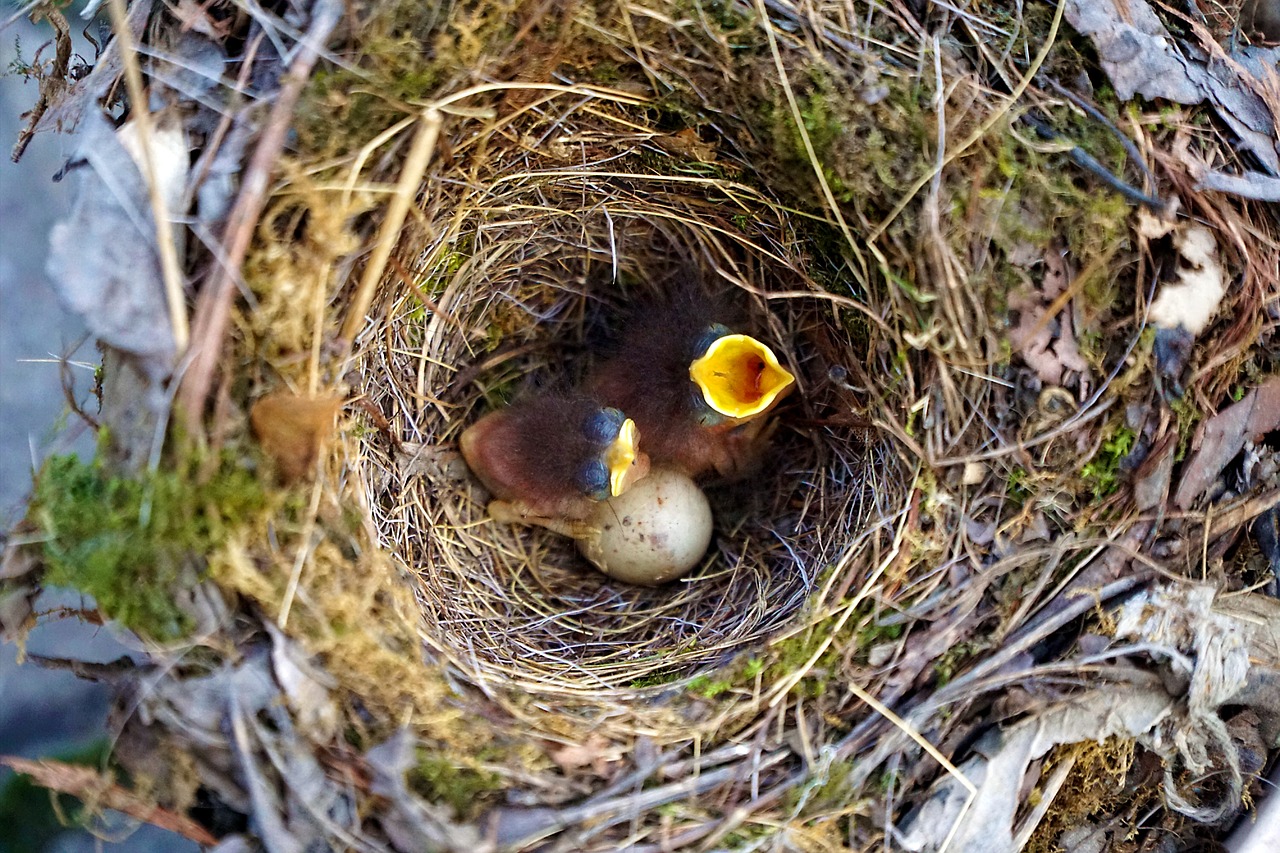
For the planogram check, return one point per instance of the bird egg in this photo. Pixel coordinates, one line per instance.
(654, 532)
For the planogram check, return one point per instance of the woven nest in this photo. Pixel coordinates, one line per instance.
(527, 252)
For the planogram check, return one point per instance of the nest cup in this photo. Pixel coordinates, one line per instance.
(521, 262)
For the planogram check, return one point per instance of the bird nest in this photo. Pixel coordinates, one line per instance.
(535, 237)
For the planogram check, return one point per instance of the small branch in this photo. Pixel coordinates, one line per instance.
(213, 308)
(1249, 185)
(1089, 163)
(96, 789)
(52, 84)
(88, 670)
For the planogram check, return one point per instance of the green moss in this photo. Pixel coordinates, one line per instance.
(441, 780)
(708, 687)
(410, 51)
(1102, 473)
(657, 679)
(868, 152)
(1188, 416)
(130, 543)
(1016, 484)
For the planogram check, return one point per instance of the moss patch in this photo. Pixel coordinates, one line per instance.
(462, 788)
(131, 543)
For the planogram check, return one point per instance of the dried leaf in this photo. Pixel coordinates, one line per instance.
(1045, 336)
(17, 561)
(103, 258)
(195, 18)
(596, 752)
(1140, 57)
(306, 687)
(1151, 480)
(1224, 436)
(17, 611)
(294, 429)
(1153, 226)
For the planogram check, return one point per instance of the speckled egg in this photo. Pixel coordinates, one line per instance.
(653, 533)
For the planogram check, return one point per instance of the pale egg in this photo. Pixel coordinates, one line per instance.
(654, 532)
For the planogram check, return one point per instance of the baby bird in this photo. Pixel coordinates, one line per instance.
(696, 389)
(549, 459)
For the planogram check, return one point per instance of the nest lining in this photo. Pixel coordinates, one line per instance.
(525, 258)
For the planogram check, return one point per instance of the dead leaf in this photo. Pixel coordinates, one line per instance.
(1141, 57)
(1223, 437)
(17, 611)
(596, 752)
(103, 258)
(82, 97)
(17, 557)
(688, 145)
(1151, 480)
(306, 687)
(1246, 184)
(1045, 336)
(196, 18)
(293, 429)
(1153, 226)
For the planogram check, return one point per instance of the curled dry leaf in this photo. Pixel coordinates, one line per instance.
(596, 752)
(293, 429)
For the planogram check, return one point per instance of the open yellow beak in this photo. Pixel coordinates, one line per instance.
(740, 377)
(626, 463)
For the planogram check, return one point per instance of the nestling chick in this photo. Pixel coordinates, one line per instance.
(551, 458)
(696, 390)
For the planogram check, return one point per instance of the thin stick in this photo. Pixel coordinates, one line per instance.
(96, 789)
(415, 166)
(304, 551)
(141, 114)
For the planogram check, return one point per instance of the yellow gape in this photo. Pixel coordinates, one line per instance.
(740, 377)
(621, 456)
